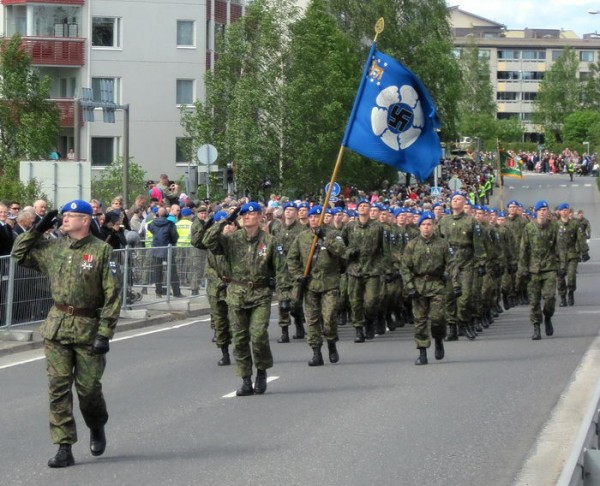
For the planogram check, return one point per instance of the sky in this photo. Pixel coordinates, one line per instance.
(541, 14)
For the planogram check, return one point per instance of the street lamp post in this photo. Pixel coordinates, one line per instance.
(588, 147)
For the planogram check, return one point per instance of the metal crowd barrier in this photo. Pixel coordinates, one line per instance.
(148, 275)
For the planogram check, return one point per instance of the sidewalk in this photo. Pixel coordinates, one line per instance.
(23, 338)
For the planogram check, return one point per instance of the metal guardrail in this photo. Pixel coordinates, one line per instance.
(147, 278)
(583, 464)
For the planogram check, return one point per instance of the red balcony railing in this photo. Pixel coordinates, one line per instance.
(61, 2)
(55, 51)
(67, 118)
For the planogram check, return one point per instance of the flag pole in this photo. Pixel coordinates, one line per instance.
(379, 26)
(499, 164)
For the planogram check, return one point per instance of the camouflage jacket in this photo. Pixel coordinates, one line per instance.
(367, 240)
(284, 236)
(81, 275)
(465, 237)
(516, 226)
(252, 262)
(326, 264)
(539, 248)
(571, 241)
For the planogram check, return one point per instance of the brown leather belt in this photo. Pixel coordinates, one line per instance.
(247, 283)
(76, 311)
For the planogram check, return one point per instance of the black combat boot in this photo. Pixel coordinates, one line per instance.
(285, 335)
(479, 323)
(571, 297)
(97, 441)
(489, 315)
(470, 331)
(260, 385)
(498, 308)
(563, 301)
(246, 388)
(225, 360)
(342, 318)
(334, 357)
(439, 348)
(537, 335)
(422, 359)
(317, 359)
(494, 313)
(390, 321)
(400, 318)
(380, 325)
(452, 333)
(369, 330)
(300, 333)
(548, 327)
(360, 335)
(63, 458)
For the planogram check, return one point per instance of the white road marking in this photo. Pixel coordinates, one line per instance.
(269, 380)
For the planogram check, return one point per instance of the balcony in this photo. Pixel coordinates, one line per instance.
(55, 51)
(61, 2)
(65, 107)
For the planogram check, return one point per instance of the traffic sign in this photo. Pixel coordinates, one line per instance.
(333, 199)
(336, 189)
(455, 184)
(436, 191)
(207, 154)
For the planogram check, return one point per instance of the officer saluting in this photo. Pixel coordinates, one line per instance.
(85, 287)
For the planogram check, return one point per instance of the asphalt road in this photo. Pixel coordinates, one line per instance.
(372, 419)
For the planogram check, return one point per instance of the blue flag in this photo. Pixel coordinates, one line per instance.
(394, 119)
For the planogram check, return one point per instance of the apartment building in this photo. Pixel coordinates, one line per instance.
(519, 59)
(156, 54)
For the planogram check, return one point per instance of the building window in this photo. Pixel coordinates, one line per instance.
(106, 32)
(509, 55)
(185, 91)
(99, 84)
(185, 33)
(182, 149)
(586, 56)
(507, 116)
(532, 76)
(457, 53)
(556, 55)
(527, 117)
(484, 54)
(584, 76)
(529, 96)
(508, 75)
(507, 96)
(103, 151)
(531, 55)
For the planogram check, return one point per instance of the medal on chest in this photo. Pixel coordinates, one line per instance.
(88, 262)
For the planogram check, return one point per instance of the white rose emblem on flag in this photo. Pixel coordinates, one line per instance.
(398, 117)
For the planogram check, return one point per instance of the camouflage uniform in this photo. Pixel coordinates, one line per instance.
(365, 245)
(322, 292)
(571, 245)
(516, 225)
(539, 257)
(252, 262)
(424, 263)
(83, 276)
(510, 251)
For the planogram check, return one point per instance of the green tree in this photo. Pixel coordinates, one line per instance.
(417, 33)
(591, 88)
(29, 123)
(577, 127)
(559, 95)
(109, 183)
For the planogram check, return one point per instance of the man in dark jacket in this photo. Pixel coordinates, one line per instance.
(164, 233)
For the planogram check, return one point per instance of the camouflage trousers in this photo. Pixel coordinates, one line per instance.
(251, 337)
(364, 294)
(285, 317)
(459, 310)
(541, 286)
(68, 363)
(568, 282)
(321, 308)
(429, 309)
(343, 303)
(219, 320)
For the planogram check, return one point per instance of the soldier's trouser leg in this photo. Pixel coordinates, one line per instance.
(329, 308)
(219, 318)
(561, 285)
(450, 306)
(534, 293)
(572, 275)
(477, 293)
(487, 293)
(312, 313)
(285, 318)
(433, 309)
(464, 312)
(548, 291)
(420, 309)
(67, 364)
(250, 326)
(372, 298)
(356, 291)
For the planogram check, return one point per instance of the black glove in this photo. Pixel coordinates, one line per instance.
(47, 221)
(233, 216)
(100, 345)
(353, 253)
(585, 257)
(285, 305)
(561, 273)
(525, 276)
(320, 232)
(481, 270)
(457, 291)
(413, 294)
(209, 222)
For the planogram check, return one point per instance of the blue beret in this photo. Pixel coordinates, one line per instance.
(329, 211)
(468, 203)
(477, 207)
(563, 206)
(315, 210)
(337, 210)
(353, 214)
(290, 205)
(186, 212)
(514, 201)
(220, 215)
(303, 204)
(154, 209)
(251, 207)
(363, 201)
(493, 210)
(424, 216)
(458, 193)
(446, 211)
(437, 204)
(78, 206)
(501, 214)
(540, 204)
(397, 211)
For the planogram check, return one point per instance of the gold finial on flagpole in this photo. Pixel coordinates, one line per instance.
(379, 26)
